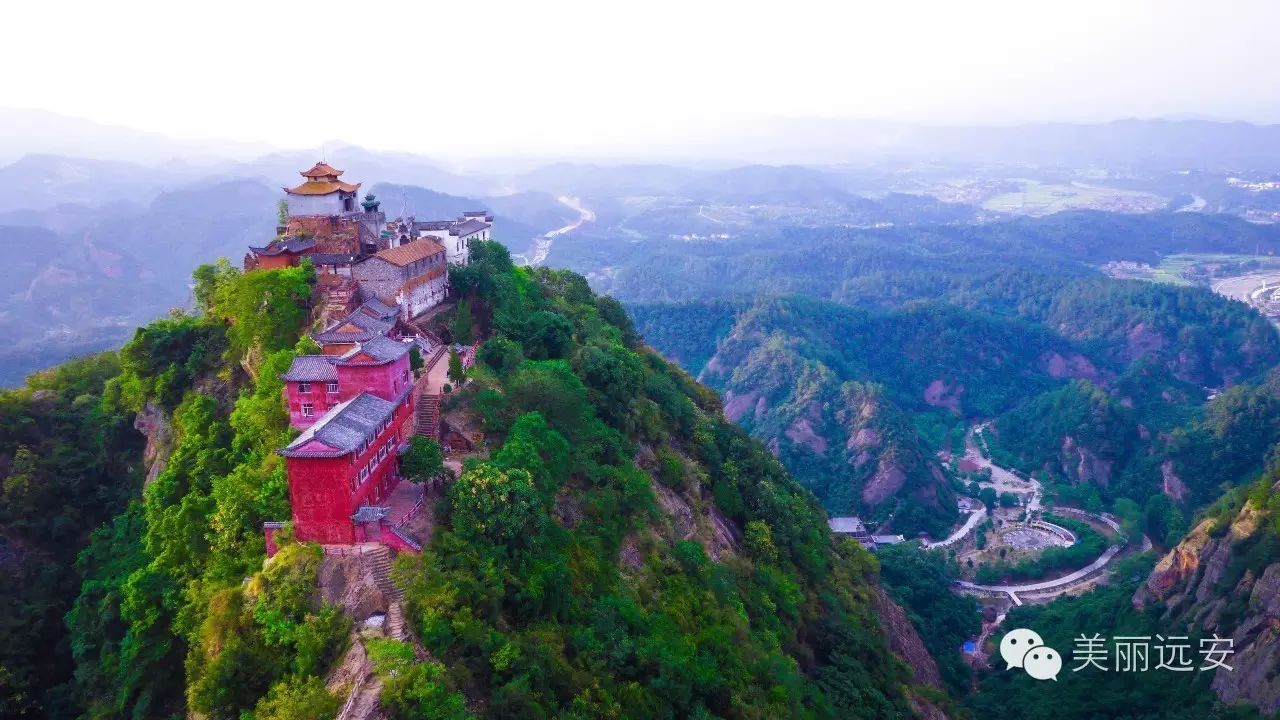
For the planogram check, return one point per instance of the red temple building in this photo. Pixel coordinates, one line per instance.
(323, 222)
(342, 468)
(314, 384)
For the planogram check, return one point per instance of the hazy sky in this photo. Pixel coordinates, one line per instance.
(474, 77)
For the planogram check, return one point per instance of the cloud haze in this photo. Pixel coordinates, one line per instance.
(482, 78)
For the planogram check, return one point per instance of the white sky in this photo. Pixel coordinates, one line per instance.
(539, 76)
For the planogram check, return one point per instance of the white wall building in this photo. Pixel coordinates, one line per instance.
(457, 235)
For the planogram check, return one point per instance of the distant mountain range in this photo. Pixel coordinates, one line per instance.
(1154, 144)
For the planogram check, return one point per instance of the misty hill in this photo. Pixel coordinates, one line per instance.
(608, 180)
(1153, 144)
(42, 181)
(24, 132)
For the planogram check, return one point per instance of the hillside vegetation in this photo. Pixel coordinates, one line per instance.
(620, 550)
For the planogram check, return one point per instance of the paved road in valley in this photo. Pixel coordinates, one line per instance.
(974, 518)
(1063, 581)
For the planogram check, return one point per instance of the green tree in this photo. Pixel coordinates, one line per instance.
(499, 506)
(457, 373)
(423, 461)
(463, 326)
(501, 355)
(546, 335)
(297, 698)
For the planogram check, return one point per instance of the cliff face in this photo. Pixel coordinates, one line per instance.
(847, 441)
(1224, 578)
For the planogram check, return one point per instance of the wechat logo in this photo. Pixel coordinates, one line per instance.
(1023, 648)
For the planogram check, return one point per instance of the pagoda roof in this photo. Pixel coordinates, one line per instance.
(321, 170)
(322, 187)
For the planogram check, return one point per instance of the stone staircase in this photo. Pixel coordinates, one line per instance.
(380, 567)
(428, 415)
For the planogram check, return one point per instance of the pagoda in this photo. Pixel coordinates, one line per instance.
(322, 193)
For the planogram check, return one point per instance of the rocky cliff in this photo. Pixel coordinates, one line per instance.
(1224, 578)
(847, 441)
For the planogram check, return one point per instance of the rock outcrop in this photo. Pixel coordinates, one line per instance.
(1217, 582)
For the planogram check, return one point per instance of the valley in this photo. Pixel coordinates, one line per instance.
(675, 376)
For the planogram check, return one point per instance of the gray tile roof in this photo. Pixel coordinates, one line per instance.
(293, 245)
(370, 327)
(382, 348)
(433, 225)
(379, 309)
(470, 226)
(333, 336)
(345, 427)
(313, 368)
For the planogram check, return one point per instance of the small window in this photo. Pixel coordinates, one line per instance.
(333, 387)
(308, 410)
(364, 474)
(304, 387)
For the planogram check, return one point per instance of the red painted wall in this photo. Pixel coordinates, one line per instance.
(320, 489)
(385, 381)
(275, 262)
(319, 396)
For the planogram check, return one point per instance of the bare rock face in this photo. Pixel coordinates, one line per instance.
(940, 394)
(153, 423)
(347, 581)
(904, 641)
(1142, 341)
(801, 432)
(887, 481)
(1171, 574)
(683, 524)
(864, 438)
(1189, 579)
(1082, 465)
(736, 405)
(1254, 678)
(1075, 366)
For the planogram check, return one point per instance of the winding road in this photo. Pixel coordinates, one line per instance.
(975, 517)
(1004, 480)
(1056, 584)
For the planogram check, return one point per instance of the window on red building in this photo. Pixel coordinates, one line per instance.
(304, 387)
(308, 410)
(333, 387)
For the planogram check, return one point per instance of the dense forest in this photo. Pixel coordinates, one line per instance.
(1096, 385)
(881, 267)
(621, 550)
